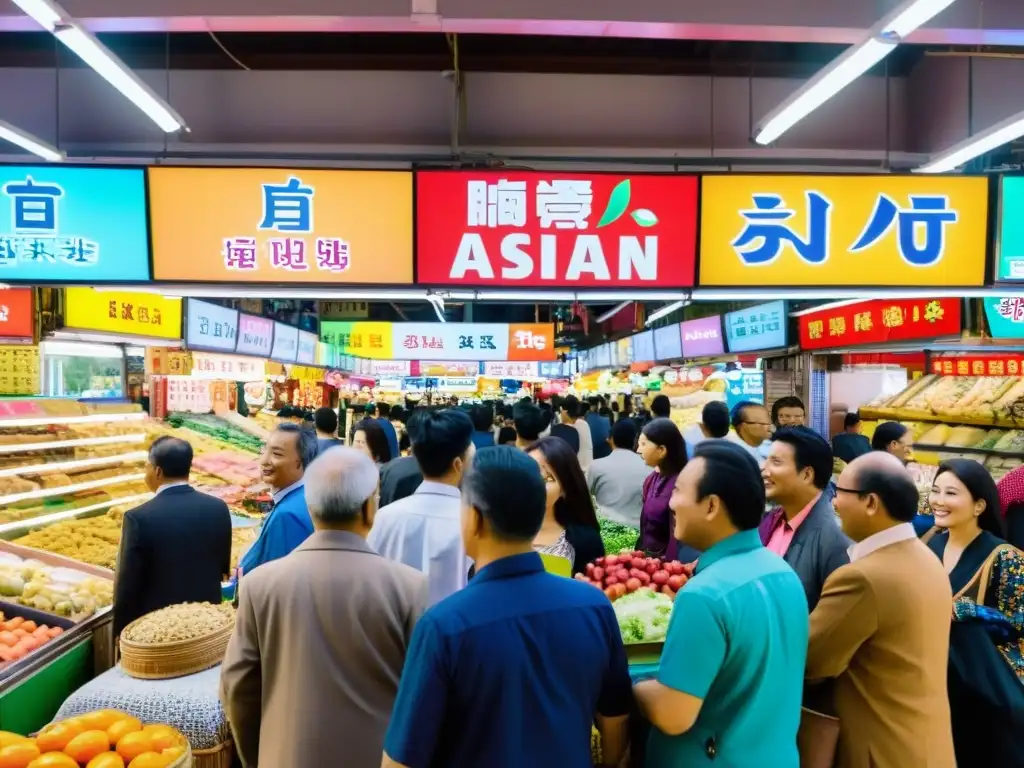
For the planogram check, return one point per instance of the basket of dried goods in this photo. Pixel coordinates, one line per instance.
(177, 640)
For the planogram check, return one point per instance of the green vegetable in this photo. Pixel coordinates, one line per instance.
(220, 430)
(643, 616)
(617, 537)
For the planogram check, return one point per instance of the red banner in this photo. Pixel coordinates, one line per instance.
(533, 229)
(881, 321)
(16, 317)
(974, 365)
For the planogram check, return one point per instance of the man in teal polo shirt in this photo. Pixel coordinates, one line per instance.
(729, 687)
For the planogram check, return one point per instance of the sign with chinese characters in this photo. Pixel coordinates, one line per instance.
(457, 384)
(255, 335)
(977, 365)
(19, 371)
(230, 367)
(389, 367)
(551, 370)
(757, 328)
(161, 361)
(361, 339)
(17, 319)
(210, 326)
(743, 387)
(286, 343)
(186, 394)
(878, 230)
(880, 321)
(262, 225)
(531, 342)
(307, 348)
(1005, 316)
(122, 312)
(668, 344)
(553, 229)
(344, 310)
(643, 347)
(1010, 243)
(73, 225)
(510, 370)
(444, 368)
(702, 337)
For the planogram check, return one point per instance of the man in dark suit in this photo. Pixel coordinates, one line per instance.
(175, 548)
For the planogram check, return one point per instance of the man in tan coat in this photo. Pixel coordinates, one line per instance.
(311, 671)
(881, 628)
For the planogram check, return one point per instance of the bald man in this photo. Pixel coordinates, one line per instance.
(882, 626)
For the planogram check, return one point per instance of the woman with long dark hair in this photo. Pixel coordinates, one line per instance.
(986, 649)
(662, 448)
(570, 527)
(369, 436)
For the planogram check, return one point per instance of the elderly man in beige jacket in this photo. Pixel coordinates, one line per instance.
(312, 668)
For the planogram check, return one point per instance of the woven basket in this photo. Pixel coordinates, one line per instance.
(186, 760)
(218, 757)
(158, 661)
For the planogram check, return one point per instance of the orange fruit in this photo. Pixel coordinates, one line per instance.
(7, 738)
(149, 760)
(173, 754)
(18, 755)
(163, 736)
(132, 745)
(54, 737)
(122, 727)
(85, 746)
(106, 760)
(53, 760)
(102, 719)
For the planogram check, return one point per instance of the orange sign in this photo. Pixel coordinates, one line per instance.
(268, 225)
(531, 341)
(16, 317)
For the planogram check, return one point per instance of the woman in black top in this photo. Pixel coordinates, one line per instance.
(570, 527)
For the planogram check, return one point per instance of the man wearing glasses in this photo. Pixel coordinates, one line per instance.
(752, 428)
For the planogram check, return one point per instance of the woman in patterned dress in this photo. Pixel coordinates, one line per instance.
(570, 527)
(986, 663)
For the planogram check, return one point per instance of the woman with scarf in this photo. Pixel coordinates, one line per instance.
(986, 649)
(1011, 503)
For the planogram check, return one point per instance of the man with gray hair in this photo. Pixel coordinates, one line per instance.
(290, 449)
(321, 635)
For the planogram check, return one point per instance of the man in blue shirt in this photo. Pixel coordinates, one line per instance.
(483, 423)
(384, 417)
(600, 428)
(730, 683)
(289, 450)
(511, 671)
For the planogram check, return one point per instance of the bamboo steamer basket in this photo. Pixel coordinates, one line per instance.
(220, 756)
(185, 761)
(160, 661)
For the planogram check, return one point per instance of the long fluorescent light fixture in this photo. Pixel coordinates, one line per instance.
(51, 17)
(613, 312)
(668, 309)
(1001, 133)
(30, 143)
(880, 41)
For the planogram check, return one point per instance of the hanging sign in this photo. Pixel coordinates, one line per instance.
(442, 341)
(230, 367)
(263, 225)
(702, 337)
(211, 326)
(73, 225)
(389, 367)
(122, 312)
(1005, 316)
(880, 321)
(1010, 245)
(511, 370)
(255, 335)
(757, 328)
(457, 384)
(443, 368)
(306, 354)
(878, 230)
(643, 347)
(19, 370)
(743, 387)
(554, 229)
(1007, 364)
(186, 394)
(369, 339)
(668, 343)
(286, 343)
(161, 361)
(17, 318)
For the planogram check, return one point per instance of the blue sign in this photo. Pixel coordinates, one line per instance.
(643, 347)
(668, 343)
(73, 225)
(1005, 316)
(743, 386)
(757, 328)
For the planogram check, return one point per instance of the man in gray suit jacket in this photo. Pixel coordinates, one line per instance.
(321, 635)
(803, 529)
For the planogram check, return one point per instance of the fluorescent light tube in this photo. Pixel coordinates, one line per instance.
(65, 490)
(58, 466)
(908, 18)
(81, 441)
(666, 310)
(112, 69)
(613, 312)
(47, 15)
(1001, 133)
(37, 522)
(30, 143)
(92, 418)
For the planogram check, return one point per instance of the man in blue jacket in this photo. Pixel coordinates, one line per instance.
(289, 450)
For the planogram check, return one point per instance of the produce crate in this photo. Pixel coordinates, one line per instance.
(643, 653)
(29, 704)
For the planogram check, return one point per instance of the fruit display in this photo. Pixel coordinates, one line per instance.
(19, 637)
(615, 536)
(61, 591)
(92, 540)
(104, 739)
(643, 616)
(241, 540)
(177, 623)
(628, 571)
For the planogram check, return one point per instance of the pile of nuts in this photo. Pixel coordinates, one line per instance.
(178, 623)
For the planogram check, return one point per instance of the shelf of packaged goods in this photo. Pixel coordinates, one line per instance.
(67, 514)
(63, 490)
(975, 451)
(58, 466)
(78, 442)
(869, 414)
(92, 418)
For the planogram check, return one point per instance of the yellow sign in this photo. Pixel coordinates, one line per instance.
(306, 373)
(900, 231)
(123, 312)
(161, 361)
(19, 370)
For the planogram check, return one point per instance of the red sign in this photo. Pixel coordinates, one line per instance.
(16, 318)
(530, 229)
(1001, 365)
(880, 321)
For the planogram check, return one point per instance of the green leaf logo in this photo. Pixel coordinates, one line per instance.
(617, 204)
(644, 217)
